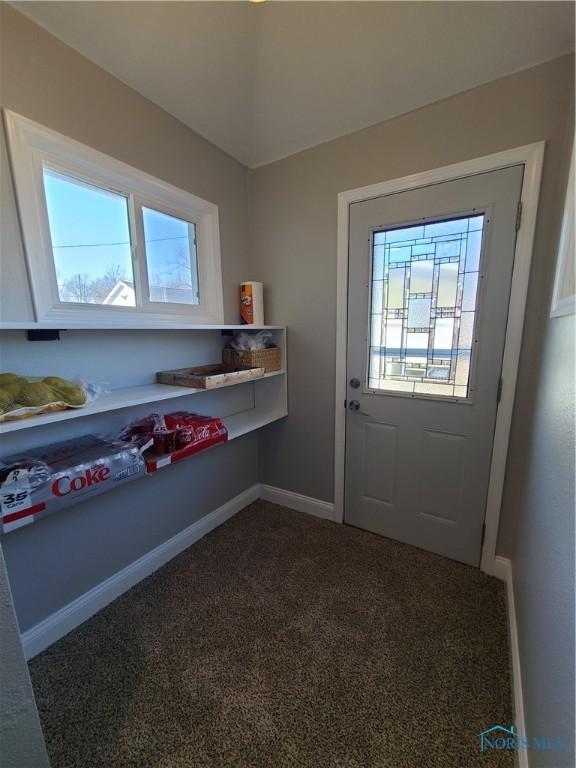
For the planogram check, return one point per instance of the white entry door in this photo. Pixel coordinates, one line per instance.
(430, 271)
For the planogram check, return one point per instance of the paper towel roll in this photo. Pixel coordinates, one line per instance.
(251, 303)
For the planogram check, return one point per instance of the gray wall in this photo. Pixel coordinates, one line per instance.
(540, 515)
(57, 559)
(21, 736)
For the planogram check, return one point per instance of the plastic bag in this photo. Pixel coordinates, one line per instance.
(141, 432)
(24, 396)
(245, 342)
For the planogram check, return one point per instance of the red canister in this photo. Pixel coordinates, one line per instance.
(164, 441)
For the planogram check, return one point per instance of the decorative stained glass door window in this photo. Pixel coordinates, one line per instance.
(424, 290)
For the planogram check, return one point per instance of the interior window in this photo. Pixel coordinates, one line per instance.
(424, 291)
(91, 243)
(170, 258)
(110, 244)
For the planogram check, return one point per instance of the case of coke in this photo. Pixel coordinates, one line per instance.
(37, 482)
(173, 437)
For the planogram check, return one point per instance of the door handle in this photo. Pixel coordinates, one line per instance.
(354, 405)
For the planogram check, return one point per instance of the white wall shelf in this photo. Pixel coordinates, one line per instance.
(117, 399)
(124, 359)
(29, 325)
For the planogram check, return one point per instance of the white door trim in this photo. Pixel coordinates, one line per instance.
(531, 156)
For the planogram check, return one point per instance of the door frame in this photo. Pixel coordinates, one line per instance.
(532, 157)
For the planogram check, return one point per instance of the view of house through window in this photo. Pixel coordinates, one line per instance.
(424, 289)
(92, 247)
(90, 232)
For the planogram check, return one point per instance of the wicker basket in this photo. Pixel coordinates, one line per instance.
(269, 359)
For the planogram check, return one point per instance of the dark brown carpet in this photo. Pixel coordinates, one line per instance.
(284, 641)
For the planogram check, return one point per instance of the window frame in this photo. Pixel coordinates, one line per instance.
(32, 147)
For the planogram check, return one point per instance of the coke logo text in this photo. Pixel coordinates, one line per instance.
(64, 485)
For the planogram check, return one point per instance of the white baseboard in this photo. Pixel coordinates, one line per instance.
(39, 637)
(63, 621)
(503, 570)
(297, 501)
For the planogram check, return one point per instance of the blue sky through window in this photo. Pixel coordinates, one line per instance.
(170, 257)
(89, 228)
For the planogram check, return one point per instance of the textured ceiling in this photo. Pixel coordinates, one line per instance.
(263, 81)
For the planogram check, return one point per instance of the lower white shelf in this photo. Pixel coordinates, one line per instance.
(237, 425)
(247, 421)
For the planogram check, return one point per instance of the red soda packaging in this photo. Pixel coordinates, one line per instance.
(175, 436)
(37, 482)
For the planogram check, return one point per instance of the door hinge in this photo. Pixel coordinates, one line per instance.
(345, 403)
(499, 393)
(519, 216)
(483, 534)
